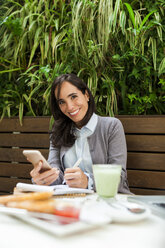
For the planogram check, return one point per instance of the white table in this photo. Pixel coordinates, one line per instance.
(148, 233)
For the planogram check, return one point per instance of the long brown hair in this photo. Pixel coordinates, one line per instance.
(63, 129)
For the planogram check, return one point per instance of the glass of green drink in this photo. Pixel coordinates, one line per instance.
(107, 179)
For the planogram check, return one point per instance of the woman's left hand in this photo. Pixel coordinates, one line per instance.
(75, 178)
(44, 178)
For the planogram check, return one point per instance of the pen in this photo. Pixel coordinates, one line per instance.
(77, 163)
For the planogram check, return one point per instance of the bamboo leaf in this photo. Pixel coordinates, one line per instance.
(25, 97)
(46, 45)
(131, 13)
(110, 22)
(33, 52)
(36, 43)
(6, 60)
(159, 31)
(161, 69)
(25, 21)
(16, 3)
(16, 93)
(33, 91)
(32, 26)
(29, 69)
(122, 21)
(3, 113)
(16, 52)
(23, 43)
(21, 107)
(92, 81)
(56, 40)
(154, 52)
(56, 23)
(146, 18)
(11, 70)
(42, 52)
(115, 13)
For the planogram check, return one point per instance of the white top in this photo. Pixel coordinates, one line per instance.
(80, 149)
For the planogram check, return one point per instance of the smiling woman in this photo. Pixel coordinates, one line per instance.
(79, 133)
(82, 98)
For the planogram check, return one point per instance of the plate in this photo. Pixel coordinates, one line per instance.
(60, 230)
(56, 225)
(119, 211)
(155, 202)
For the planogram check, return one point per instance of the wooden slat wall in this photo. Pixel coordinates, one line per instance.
(141, 191)
(143, 124)
(15, 170)
(146, 161)
(145, 136)
(8, 184)
(30, 124)
(14, 138)
(24, 140)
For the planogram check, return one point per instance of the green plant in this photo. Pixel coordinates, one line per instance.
(136, 61)
(116, 47)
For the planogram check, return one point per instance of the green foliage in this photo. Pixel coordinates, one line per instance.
(116, 47)
(13, 25)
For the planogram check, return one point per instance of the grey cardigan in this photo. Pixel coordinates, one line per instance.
(107, 146)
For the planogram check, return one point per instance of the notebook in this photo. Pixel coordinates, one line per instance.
(57, 189)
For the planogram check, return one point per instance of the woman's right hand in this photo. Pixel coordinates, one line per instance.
(46, 177)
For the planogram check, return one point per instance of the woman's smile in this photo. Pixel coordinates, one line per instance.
(74, 113)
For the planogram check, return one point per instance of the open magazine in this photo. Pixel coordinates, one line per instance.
(57, 189)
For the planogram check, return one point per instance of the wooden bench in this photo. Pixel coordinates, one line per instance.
(145, 137)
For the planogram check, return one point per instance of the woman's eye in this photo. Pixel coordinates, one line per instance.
(73, 97)
(61, 102)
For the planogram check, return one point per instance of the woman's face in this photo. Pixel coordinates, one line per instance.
(72, 102)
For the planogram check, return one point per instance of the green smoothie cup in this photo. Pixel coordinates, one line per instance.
(107, 179)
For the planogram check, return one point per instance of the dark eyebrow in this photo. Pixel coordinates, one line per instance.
(72, 94)
(67, 96)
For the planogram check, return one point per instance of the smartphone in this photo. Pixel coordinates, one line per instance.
(34, 156)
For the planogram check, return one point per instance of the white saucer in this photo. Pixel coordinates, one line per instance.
(119, 211)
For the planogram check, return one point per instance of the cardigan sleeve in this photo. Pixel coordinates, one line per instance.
(117, 152)
(108, 146)
(54, 161)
